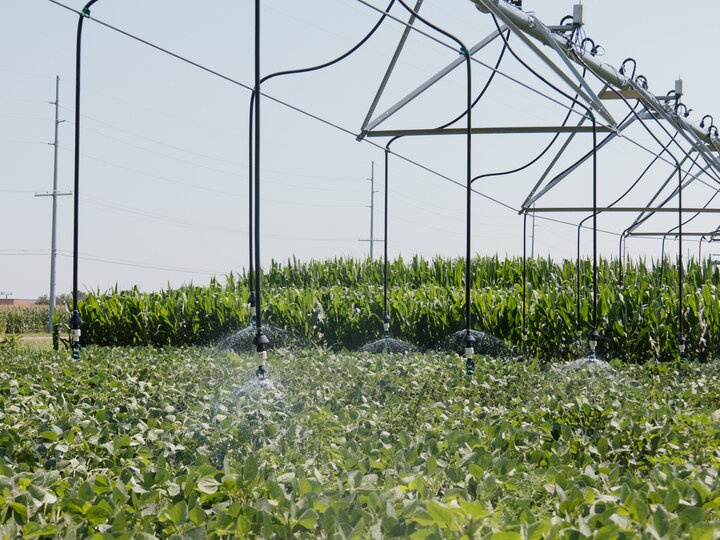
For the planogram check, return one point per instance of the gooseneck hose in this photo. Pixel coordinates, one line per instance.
(251, 275)
(75, 319)
(681, 336)
(386, 315)
(261, 341)
(468, 340)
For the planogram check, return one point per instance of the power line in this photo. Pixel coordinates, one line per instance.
(195, 164)
(322, 120)
(121, 262)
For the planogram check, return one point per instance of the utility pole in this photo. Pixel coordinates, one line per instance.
(54, 194)
(372, 239)
(372, 207)
(532, 244)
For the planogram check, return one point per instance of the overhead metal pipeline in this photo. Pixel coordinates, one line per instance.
(530, 25)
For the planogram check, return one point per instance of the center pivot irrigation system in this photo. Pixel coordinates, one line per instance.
(571, 57)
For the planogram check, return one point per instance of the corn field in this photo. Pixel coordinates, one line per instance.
(339, 304)
(26, 320)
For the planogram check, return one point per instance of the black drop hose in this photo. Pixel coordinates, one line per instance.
(468, 340)
(484, 89)
(253, 166)
(540, 155)
(386, 316)
(75, 319)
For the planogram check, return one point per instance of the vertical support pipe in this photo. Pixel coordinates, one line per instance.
(75, 319)
(260, 341)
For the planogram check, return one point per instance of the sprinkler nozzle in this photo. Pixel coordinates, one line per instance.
(251, 300)
(594, 336)
(260, 357)
(386, 324)
(75, 322)
(681, 344)
(261, 342)
(468, 341)
(525, 335)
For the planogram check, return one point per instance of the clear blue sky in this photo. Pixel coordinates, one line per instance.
(164, 145)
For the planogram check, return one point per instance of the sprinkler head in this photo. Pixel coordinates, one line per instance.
(594, 336)
(75, 323)
(681, 344)
(260, 372)
(251, 300)
(386, 324)
(468, 341)
(525, 335)
(261, 342)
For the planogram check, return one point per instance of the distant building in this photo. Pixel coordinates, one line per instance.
(17, 302)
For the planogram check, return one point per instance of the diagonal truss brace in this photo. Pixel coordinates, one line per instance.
(563, 55)
(390, 69)
(560, 177)
(370, 125)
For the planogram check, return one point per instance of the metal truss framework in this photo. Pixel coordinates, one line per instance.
(657, 113)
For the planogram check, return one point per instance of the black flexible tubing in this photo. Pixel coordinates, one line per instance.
(468, 244)
(540, 155)
(681, 337)
(577, 270)
(644, 124)
(624, 234)
(260, 347)
(386, 317)
(327, 122)
(642, 175)
(484, 89)
(76, 320)
(254, 172)
(251, 277)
